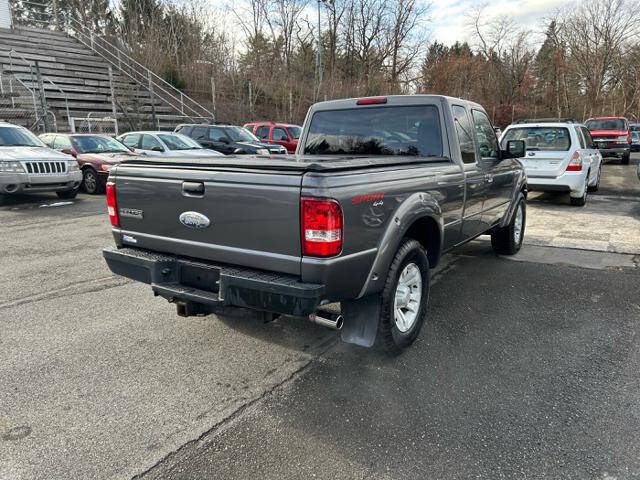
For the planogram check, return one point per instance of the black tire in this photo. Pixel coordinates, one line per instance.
(596, 187)
(581, 201)
(90, 181)
(390, 336)
(626, 158)
(67, 194)
(506, 240)
(3, 199)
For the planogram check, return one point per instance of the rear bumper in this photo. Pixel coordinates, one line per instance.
(571, 182)
(182, 280)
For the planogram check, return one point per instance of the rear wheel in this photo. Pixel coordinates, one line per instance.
(581, 201)
(596, 187)
(404, 298)
(507, 240)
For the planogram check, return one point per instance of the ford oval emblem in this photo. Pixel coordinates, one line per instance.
(194, 220)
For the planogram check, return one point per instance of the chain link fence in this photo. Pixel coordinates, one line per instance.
(104, 125)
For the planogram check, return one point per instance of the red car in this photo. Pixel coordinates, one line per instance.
(612, 136)
(96, 154)
(283, 134)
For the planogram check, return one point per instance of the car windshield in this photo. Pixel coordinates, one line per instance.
(635, 135)
(411, 130)
(239, 134)
(175, 141)
(539, 138)
(610, 124)
(294, 132)
(97, 144)
(18, 137)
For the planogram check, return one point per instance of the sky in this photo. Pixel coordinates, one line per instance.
(448, 17)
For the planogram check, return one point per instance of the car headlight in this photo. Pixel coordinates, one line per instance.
(11, 167)
(622, 139)
(262, 151)
(73, 165)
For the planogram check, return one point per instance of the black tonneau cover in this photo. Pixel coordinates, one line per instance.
(297, 163)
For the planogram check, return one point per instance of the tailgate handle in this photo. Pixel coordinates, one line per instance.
(193, 189)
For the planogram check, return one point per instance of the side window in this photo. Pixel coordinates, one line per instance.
(463, 130)
(149, 143)
(262, 132)
(587, 137)
(485, 135)
(61, 142)
(580, 137)
(131, 141)
(199, 133)
(217, 135)
(280, 135)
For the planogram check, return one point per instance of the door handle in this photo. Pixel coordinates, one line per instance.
(193, 189)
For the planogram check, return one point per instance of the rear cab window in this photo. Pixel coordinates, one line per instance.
(413, 130)
(463, 131)
(540, 138)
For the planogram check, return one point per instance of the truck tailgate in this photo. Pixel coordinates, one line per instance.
(252, 214)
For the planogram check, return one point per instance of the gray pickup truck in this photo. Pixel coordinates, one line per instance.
(379, 190)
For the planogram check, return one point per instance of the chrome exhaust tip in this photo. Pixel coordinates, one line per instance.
(334, 323)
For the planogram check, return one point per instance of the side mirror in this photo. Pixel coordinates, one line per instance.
(157, 149)
(515, 149)
(70, 151)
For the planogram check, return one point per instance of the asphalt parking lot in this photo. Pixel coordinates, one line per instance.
(527, 367)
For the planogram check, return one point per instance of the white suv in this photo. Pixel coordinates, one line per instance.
(28, 166)
(561, 157)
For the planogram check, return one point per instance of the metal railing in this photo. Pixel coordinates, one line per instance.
(37, 79)
(137, 72)
(11, 87)
(48, 17)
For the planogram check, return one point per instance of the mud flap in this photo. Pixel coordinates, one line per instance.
(361, 319)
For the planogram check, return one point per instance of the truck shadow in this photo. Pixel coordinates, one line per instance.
(289, 332)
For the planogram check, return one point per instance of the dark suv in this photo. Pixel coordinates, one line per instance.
(228, 139)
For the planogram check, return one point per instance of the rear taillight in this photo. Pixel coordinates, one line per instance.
(321, 227)
(112, 206)
(575, 165)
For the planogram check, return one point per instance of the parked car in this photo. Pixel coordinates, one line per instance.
(96, 154)
(360, 218)
(165, 144)
(634, 127)
(283, 134)
(612, 136)
(228, 139)
(635, 141)
(561, 157)
(27, 165)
